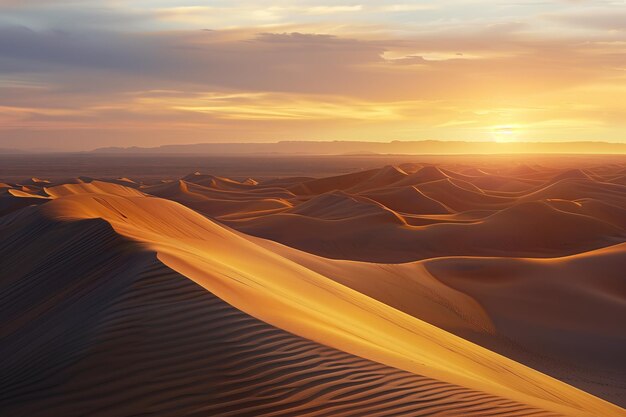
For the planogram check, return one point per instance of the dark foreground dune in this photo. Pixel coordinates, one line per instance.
(453, 289)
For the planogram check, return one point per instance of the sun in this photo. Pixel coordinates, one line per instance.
(504, 133)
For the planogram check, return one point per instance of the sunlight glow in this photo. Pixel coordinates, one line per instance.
(505, 133)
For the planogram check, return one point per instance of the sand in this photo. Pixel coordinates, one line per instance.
(402, 290)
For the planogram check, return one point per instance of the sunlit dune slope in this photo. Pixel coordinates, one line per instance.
(573, 331)
(300, 301)
(94, 187)
(407, 287)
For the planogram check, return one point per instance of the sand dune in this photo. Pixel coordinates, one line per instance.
(94, 187)
(16, 199)
(426, 174)
(543, 221)
(505, 185)
(122, 298)
(588, 351)
(182, 190)
(572, 174)
(150, 340)
(462, 196)
(453, 293)
(219, 183)
(407, 200)
(591, 207)
(384, 177)
(504, 285)
(313, 306)
(217, 202)
(618, 180)
(527, 229)
(338, 205)
(341, 182)
(522, 170)
(577, 189)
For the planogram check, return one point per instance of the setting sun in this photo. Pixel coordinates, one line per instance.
(507, 133)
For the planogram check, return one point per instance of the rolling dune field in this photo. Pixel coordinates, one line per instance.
(449, 287)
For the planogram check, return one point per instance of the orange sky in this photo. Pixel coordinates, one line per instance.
(123, 73)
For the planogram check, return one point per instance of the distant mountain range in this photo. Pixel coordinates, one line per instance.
(394, 147)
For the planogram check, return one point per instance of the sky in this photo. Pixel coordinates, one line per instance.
(78, 75)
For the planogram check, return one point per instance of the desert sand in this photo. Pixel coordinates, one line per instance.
(449, 287)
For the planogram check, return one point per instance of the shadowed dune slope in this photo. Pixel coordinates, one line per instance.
(338, 205)
(340, 182)
(407, 200)
(572, 189)
(15, 199)
(589, 303)
(353, 182)
(462, 196)
(575, 328)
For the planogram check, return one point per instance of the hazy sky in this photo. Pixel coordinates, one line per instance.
(84, 74)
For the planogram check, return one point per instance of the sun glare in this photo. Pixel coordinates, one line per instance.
(506, 133)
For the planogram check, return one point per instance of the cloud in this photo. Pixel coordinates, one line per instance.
(71, 15)
(269, 61)
(304, 62)
(102, 67)
(594, 19)
(319, 10)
